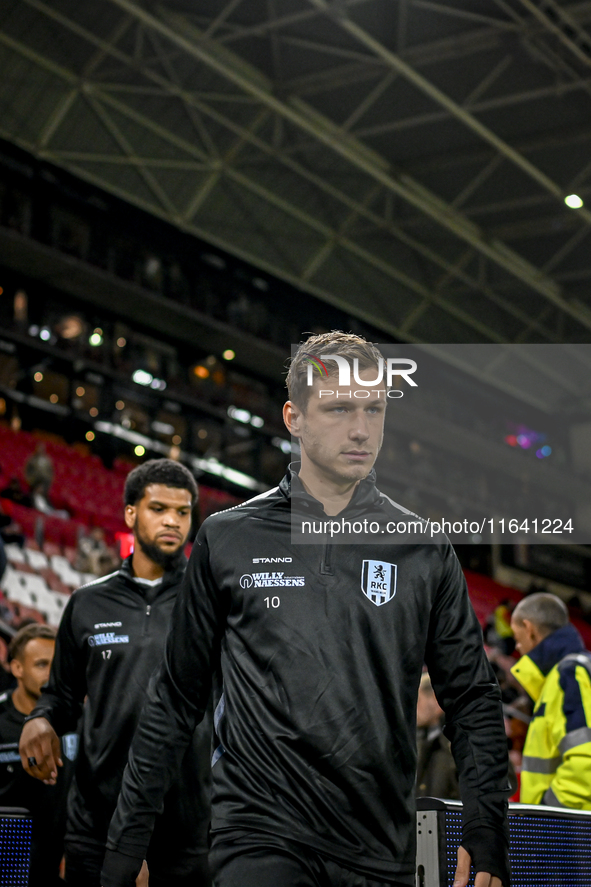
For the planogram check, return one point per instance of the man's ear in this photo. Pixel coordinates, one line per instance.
(130, 512)
(16, 668)
(533, 631)
(292, 416)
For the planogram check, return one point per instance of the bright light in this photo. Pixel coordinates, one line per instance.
(229, 354)
(80, 391)
(53, 398)
(177, 439)
(70, 327)
(120, 405)
(281, 444)
(93, 412)
(239, 415)
(141, 377)
(96, 338)
(202, 433)
(139, 450)
(45, 334)
(163, 428)
(573, 201)
(33, 330)
(38, 377)
(121, 342)
(257, 422)
(89, 435)
(201, 372)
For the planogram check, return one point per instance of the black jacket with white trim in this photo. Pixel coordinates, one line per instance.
(317, 728)
(110, 640)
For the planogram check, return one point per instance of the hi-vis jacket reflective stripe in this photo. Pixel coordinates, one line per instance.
(556, 767)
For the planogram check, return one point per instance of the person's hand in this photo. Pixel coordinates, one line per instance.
(39, 749)
(462, 876)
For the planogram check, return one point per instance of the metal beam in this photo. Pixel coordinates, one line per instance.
(179, 31)
(434, 93)
(331, 136)
(563, 26)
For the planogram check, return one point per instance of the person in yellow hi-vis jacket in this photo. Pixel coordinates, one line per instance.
(555, 670)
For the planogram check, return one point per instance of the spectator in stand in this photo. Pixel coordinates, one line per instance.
(30, 654)
(3, 559)
(39, 471)
(436, 769)
(555, 670)
(94, 555)
(502, 626)
(11, 532)
(42, 503)
(15, 492)
(110, 640)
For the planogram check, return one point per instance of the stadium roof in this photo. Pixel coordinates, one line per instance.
(407, 161)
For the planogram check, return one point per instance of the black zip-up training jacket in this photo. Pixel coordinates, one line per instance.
(110, 640)
(320, 674)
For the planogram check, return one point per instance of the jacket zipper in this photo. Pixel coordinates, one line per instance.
(326, 567)
(148, 609)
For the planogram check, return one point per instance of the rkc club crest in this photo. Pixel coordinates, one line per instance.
(378, 581)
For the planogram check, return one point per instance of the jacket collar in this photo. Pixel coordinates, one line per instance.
(364, 496)
(171, 577)
(532, 669)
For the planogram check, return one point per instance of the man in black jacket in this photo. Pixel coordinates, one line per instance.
(321, 649)
(30, 653)
(110, 640)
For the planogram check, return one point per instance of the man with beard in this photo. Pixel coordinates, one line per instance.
(109, 642)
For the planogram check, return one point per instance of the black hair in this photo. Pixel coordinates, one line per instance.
(158, 471)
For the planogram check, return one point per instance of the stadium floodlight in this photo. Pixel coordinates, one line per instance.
(239, 414)
(573, 201)
(141, 377)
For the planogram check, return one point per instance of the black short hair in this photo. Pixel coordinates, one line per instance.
(29, 633)
(158, 471)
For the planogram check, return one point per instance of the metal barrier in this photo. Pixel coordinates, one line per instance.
(549, 846)
(15, 846)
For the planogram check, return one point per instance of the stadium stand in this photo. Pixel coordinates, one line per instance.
(40, 576)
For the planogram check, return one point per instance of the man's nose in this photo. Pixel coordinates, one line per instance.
(359, 428)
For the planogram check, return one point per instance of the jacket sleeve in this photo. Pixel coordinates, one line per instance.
(570, 729)
(177, 698)
(63, 696)
(468, 692)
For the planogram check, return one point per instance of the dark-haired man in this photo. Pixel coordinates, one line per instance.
(321, 649)
(30, 653)
(555, 670)
(110, 640)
